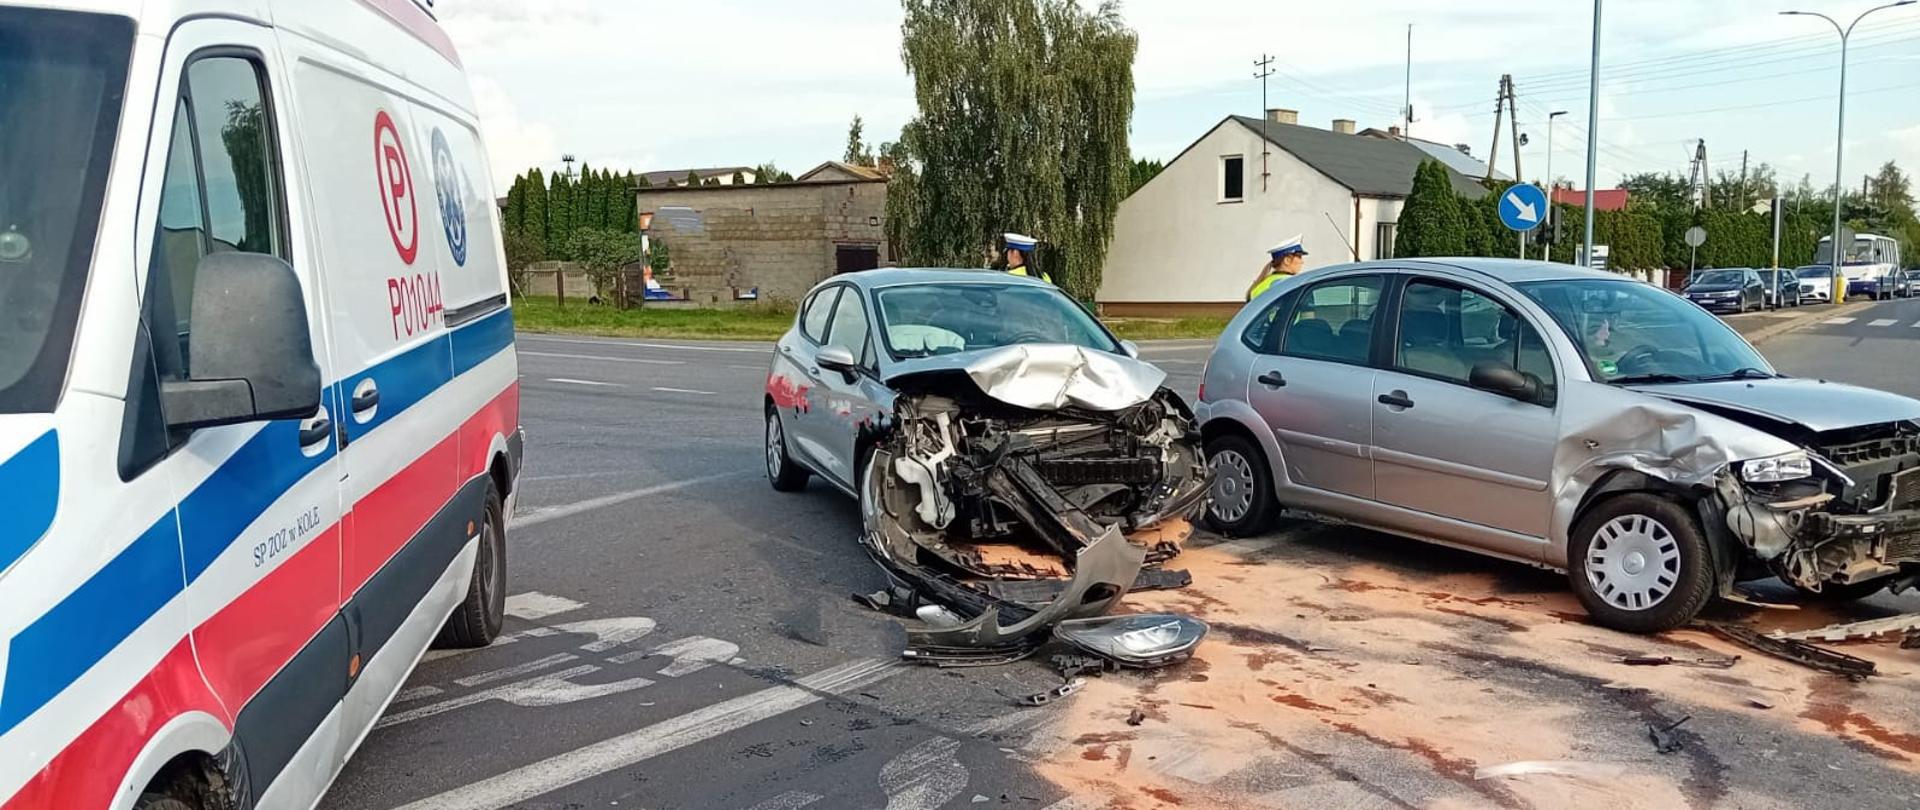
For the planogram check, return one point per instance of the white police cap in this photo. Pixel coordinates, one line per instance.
(1020, 241)
(1288, 248)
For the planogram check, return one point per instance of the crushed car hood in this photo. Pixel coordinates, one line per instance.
(1817, 406)
(1047, 377)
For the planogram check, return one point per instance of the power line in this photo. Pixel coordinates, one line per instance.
(1719, 66)
(1817, 42)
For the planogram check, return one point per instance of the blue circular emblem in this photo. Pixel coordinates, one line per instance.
(453, 206)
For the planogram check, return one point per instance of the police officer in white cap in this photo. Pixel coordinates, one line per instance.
(1285, 261)
(1020, 257)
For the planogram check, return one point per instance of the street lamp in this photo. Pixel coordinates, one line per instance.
(1548, 254)
(1593, 132)
(1840, 139)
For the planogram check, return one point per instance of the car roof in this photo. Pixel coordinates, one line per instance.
(895, 276)
(1510, 271)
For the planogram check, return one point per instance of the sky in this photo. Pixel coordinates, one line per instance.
(649, 85)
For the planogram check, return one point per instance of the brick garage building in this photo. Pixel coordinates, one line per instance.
(781, 238)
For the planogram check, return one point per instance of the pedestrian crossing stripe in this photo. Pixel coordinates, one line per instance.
(1839, 321)
(1885, 322)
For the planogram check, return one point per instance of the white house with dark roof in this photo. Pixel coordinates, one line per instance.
(1194, 237)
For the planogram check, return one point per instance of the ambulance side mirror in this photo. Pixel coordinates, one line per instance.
(249, 351)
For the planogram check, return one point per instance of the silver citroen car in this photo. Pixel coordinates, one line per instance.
(1564, 418)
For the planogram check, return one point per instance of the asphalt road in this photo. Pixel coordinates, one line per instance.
(681, 636)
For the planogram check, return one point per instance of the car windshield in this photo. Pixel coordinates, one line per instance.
(920, 320)
(1821, 271)
(1719, 278)
(1630, 332)
(62, 75)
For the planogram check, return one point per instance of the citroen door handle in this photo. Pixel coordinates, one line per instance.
(1396, 399)
(1272, 379)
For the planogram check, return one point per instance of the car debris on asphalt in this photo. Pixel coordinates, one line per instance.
(1799, 652)
(1060, 692)
(1018, 495)
(1664, 740)
(1855, 631)
(1715, 662)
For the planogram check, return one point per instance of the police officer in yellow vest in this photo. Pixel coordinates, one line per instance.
(1020, 257)
(1285, 261)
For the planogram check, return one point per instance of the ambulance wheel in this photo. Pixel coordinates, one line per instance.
(476, 622)
(155, 801)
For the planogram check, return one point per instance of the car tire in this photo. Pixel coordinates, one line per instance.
(477, 621)
(1242, 502)
(785, 475)
(1639, 563)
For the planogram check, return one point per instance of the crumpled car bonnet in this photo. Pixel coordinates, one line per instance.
(1048, 377)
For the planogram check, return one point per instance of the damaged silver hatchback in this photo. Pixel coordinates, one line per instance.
(1017, 466)
(1565, 418)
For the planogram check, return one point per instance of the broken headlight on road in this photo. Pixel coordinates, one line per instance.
(1138, 640)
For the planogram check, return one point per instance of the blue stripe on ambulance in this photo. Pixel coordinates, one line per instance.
(31, 480)
(72, 637)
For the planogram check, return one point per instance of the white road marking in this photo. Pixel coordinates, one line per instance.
(594, 383)
(924, 777)
(790, 800)
(750, 368)
(647, 360)
(665, 390)
(1916, 324)
(1885, 322)
(549, 690)
(534, 605)
(530, 781)
(517, 670)
(690, 655)
(762, 349)
(1838, 321)
(538, 517)
(416, 693)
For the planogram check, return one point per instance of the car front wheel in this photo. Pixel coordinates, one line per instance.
(1639, 563)
(1243, 503)
(785, 475)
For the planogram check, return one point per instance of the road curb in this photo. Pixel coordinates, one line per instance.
(1774, 330)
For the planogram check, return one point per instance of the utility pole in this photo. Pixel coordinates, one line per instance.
(1265, 69)
(1499, 109)
(568, 159)
(1519, 140)
(1406, 132)
(1699, 183)
(1593, 131)
(1743, 180)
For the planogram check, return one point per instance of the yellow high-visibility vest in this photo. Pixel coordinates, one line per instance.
(1267, 283)
(1023, 272)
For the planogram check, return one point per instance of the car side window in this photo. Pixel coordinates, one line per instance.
(1260, 335)
(1446, 330)
(813, 324)
(220, 194)
(1334, 321)
(849, 327)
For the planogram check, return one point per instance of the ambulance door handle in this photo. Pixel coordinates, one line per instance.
(315, 432)
(366, 400)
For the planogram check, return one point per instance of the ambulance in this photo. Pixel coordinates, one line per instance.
(259, 410)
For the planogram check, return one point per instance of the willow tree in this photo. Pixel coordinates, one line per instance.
(1022, 126)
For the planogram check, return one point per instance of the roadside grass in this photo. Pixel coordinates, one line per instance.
(544, 314)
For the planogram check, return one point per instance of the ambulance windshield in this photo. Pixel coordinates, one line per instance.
(62, 77)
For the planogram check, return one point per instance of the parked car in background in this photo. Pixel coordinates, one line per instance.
(1733, 290)
(1782, 287)
(1559, 417)
(1816, 282)
(1913, 282)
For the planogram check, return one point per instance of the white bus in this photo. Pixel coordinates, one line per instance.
(1871, 259)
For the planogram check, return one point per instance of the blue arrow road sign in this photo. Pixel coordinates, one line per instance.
(1523, 207)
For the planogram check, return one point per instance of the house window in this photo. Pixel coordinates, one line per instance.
(1233, 178)
(1383, 235)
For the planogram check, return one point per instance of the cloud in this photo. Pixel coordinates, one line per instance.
(513, 143)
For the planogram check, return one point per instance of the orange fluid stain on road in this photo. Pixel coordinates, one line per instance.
(1441, 675)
